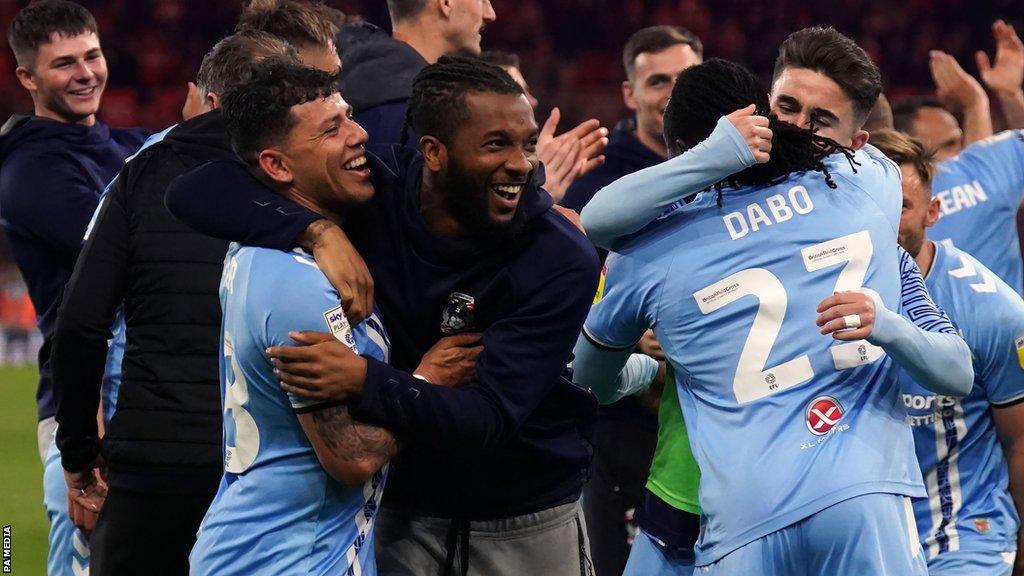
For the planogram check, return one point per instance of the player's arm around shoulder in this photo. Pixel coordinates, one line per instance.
(298, 298)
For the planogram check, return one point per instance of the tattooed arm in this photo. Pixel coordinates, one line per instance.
(350, 451)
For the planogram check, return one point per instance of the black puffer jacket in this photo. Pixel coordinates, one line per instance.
(165, 436)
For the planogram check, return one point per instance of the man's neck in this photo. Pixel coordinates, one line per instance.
(43, 112)
(656, 145)
(925, 257)
(433, 210)
(336, 216)
(426, 42)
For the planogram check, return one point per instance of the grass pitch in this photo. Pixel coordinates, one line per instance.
(21, 473)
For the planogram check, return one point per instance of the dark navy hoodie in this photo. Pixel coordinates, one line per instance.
(376, 79)
(51, 177)
(516, 439)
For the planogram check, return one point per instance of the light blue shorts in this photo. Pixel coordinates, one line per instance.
(873, 534)
(648, 557)
(69, 549)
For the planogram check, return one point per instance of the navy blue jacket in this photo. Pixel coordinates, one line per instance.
(51, 178)
(516, 439)
(376, 80)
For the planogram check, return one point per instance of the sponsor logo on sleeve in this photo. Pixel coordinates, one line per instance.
(1018, 343)
(339, 326)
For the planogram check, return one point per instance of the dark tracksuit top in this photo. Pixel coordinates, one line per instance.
(376, 80)
(516, 439)
(51, 178)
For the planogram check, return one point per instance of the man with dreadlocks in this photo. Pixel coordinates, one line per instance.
(815, 220)
(460, 239)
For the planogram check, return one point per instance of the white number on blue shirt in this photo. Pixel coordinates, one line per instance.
(240, 451)
(753, 380)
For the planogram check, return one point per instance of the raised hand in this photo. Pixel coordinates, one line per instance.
(1007, 74)
(569, 155)
(755, 132)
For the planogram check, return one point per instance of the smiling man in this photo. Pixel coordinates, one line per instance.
(53, 166)
(459, 239)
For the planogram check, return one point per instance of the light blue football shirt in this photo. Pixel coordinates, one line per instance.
(968, 505)
(980, 191)
(277, 511)
(783, 421)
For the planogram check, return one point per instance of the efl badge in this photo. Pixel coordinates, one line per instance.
(982, 525)
(823, 414)
(1018, 343)
(458, 314)
(340, 327)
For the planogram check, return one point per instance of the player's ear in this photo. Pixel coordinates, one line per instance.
(26, 78)
(444, 7)
(859, 139)
(273, 164)
(934, 211)
(627, 95)
(435, 153)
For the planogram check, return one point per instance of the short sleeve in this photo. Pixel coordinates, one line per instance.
(999, 350)
(1001, 159)
(291, 294)
(626, 302)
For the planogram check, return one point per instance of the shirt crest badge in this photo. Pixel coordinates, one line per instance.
(459, 314)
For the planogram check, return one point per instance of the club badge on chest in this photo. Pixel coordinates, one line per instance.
(458, 314)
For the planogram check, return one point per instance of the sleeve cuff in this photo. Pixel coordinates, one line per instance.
(76, 455)
(369, 407)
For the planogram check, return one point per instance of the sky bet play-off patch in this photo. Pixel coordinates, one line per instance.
(339, 326)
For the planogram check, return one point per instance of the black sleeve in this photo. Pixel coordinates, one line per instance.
(524, 355)
(87, 312)
(222, 199)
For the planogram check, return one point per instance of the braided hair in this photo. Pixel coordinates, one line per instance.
(706, 92)
(438, 101)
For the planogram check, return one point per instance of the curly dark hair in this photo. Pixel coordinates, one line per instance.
(259, 111)
(438, 101)
(706, 92)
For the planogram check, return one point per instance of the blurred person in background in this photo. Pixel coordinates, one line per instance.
(53, 166)
(970, 448)
(565, 157)
(652, 58)
(378, 70)
(164, 449)
(880, 117)
(308, 26)
(979, 187)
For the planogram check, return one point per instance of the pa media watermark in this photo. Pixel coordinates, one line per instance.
(7, 549)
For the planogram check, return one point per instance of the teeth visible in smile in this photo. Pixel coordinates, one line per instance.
(83, 91)
(508, 192)
(357, 163)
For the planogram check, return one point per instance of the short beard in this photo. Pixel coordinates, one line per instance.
(468, 201)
